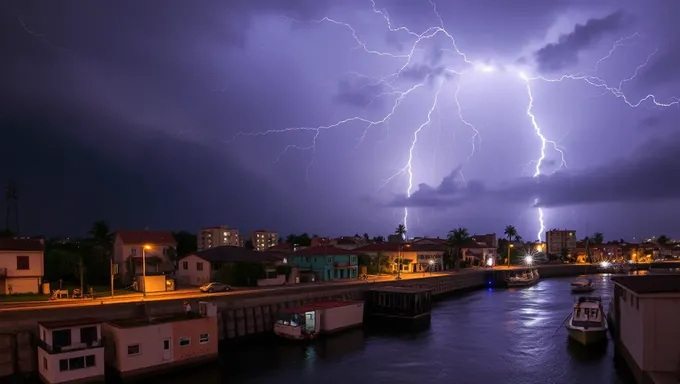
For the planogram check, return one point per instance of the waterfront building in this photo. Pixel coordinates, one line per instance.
(217, 236)
(70, 351)
(558, 239)
(327, 262)
(646, 313)
(145, 345)
(21, 265)
(132, 249)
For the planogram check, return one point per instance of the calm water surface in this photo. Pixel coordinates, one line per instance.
(489, 336)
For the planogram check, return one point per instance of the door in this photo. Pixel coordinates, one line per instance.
(167, 349)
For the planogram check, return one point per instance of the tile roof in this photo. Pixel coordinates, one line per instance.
(650, 283)
(144, 236)
(227, 253)
(12, 244)
(325, 250)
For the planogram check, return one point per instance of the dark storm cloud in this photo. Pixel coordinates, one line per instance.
(648, 175)
(564, 53)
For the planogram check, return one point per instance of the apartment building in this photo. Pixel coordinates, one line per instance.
(558, 239)
(218, 236)
(263, 239)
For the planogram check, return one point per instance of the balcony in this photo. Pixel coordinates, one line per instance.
(70, 348)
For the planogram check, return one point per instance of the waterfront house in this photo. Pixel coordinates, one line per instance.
(646, 313)
(21, 265)
(155, 248)
(423, 255)
(327, 262)
(200, 267)
(70, 351)
(147, 345)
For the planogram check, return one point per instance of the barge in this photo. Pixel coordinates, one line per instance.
(400, 306)
(308, 321)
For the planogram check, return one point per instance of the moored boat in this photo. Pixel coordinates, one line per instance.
(525, 279)
(308, 321)
(582, 286)
(587, 324)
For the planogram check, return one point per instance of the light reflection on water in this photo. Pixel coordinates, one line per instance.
(489, 336)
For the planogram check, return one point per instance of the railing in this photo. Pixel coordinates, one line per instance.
(70, 348)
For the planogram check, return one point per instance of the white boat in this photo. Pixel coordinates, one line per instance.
(307, 321)
(587, 324)
(582, 286)
(524, 279)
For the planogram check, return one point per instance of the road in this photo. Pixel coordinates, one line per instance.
(193, 293)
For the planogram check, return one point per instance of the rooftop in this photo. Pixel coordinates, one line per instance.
(12, 244)
(227, 253)
(402, 289)
(320, 305)
(145, 321)
(325, 250)
(56, 324)
(144, 236)
(646, 284)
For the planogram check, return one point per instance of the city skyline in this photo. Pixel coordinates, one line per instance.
(212, 120)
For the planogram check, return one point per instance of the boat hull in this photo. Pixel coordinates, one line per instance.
(587, 336)
(522, 283)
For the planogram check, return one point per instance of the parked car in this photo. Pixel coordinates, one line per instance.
(215, 287)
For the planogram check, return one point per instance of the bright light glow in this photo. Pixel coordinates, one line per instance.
(529, 259)
(605, 264)
(431, 262)
(484, 68)
(489, 262)
(147, 247)
(539, 247)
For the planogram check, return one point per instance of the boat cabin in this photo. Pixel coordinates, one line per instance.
(307, 321)
(70, 351)
(588, 313)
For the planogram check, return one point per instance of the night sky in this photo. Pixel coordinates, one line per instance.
(301, 115)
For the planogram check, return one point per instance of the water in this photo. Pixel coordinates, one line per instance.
(489, 336)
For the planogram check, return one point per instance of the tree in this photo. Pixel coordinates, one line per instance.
(510, 232)
(378, 239)
(6, 233)
(401, 231)
(518, 238)
(457, 239)
(663, 240)
(248, 244)
(100, 234)
(304, 240)
(383, 262)
(187, 243)
(290, 239)
(598, 238)
(564, 254)
(366, 237)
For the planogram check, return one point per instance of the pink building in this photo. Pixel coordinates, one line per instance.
(70, 351)
(139, 346)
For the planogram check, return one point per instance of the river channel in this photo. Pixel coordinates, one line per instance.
(488, 336)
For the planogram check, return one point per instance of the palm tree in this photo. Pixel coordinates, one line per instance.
(663, 240)
(510, 232)
(518, 238)
(101, 234)
(401, 231)
(598, 238)
(457, 239)
(366, 237)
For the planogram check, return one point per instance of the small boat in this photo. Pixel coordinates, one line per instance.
(527, 278)
(308, 321)
(582, 286)
(587, 324)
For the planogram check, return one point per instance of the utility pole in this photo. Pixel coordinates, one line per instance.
(112, 271)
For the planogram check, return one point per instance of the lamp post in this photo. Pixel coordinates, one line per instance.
(144, 249)
(400, 259)
(509, 246)
(431, 266)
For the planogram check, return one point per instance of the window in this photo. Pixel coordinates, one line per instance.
(184, 341)
(88, 335)
(61, 338)
(204, 339)
(199, 266)
(166, 344)
(45, 363)
(133, 252)
(90, 361)
(22, 263)
(185, 265)
(76, 363)
(133, 349)
(63, 365)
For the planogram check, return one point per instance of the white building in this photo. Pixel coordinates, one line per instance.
(263, 239)
(210, 237)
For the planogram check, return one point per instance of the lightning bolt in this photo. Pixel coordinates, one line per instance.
(465, 66)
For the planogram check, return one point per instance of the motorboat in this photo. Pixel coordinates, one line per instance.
(582, 286)
(587, 325)
(526, 278)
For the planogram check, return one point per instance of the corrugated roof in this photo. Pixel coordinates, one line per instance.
(650, 283)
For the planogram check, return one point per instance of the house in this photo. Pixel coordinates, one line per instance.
(21, 265)
(132, 248)
(646, 314)
(199, 268)
(423, 255)
(70, 351)
(327, 262)
(145, 345)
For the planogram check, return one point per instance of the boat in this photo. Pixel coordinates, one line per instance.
(308, 321)
(527, 278)
(582, 286)
(587, 324)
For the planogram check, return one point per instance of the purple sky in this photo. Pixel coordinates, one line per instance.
(179, 116)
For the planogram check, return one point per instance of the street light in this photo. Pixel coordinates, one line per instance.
(145, 248)
(529, 260)
(400, 259)
(431, 266)
(509, 246)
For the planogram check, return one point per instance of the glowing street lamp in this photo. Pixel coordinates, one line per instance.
(539, 247)
(509, 246)
(431, 266)
(529, 260)
(145, 248)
